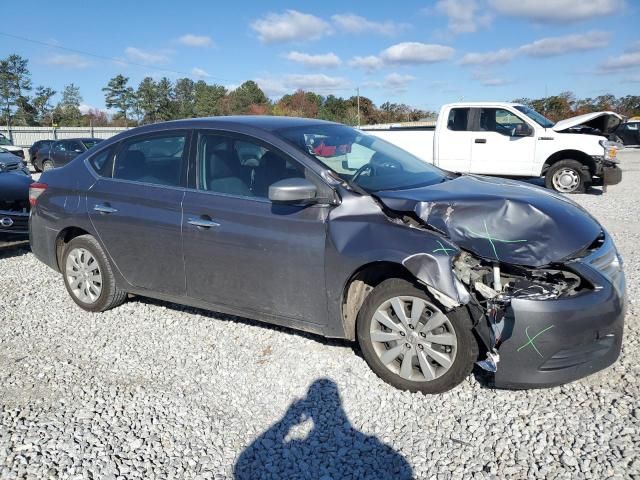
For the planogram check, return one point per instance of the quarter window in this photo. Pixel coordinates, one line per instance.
(153, 159)
(100, 162)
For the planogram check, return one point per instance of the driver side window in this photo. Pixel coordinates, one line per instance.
(500, 121)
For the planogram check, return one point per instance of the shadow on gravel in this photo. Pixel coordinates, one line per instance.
(248, 321)
(13, 249)
(332, 448)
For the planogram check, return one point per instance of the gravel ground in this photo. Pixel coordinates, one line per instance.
(155, 390)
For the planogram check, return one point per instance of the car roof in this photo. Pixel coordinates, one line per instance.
(81, 139)
(263, 122)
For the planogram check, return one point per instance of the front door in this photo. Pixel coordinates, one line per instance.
(495, 150)
(240, 249)
(136, 210)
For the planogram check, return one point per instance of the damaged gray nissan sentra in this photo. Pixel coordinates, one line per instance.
(320, 227)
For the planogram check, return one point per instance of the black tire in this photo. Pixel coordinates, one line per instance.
(48, 165)
(466, 348)
(572, 167)
(110, 296)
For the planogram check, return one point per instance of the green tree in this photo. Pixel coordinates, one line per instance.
(42, 103)
(334, 109)
(208, 99)
(166, 107)
(67, 112)
(15, 81)
(246, 96)
(185, 98)
(119, 95)
(147, 95)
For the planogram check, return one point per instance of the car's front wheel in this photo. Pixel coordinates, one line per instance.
(88, 275)
(47, 165)
(409, 341)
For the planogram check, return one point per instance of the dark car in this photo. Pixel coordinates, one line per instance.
(40, 144)
(61, 152)
(320, 227)
(628, 133)
(14, 197)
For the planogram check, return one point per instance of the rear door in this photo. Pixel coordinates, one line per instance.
(59, 153)
(495, 150)
(453, 142)
(241, 250)
(73, 149)
(136, 208)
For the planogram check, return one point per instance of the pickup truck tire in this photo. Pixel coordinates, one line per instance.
(568, 176)
(422, 349)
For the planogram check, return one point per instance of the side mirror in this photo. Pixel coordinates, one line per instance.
(522, 130)
(293, 190)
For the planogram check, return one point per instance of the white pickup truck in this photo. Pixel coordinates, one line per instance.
(512, 140)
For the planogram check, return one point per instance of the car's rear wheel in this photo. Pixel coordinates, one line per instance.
(88, 275)
(409, 341)
(567, 176)
(47, 165)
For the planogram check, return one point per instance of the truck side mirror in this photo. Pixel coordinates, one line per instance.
(522, 130)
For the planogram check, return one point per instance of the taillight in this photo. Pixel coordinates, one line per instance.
(35, 190)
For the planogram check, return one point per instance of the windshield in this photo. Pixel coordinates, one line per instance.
(361, 159)
(3, 150)
(535, 116)
(4, 140)
(90, 143)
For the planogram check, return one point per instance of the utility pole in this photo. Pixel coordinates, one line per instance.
(358, 103)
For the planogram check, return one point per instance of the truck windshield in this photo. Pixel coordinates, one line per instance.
(366, 161)
(535, 116)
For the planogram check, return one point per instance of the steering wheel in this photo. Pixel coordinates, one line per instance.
(361, 170)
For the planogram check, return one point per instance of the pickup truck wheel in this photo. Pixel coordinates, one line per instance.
(567, 176)
(410, 343)
(88, 275)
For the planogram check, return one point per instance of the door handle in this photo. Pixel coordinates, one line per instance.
(203, 222)
(104, 209)
(480, 140)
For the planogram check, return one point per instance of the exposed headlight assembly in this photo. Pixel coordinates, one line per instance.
(610, 150)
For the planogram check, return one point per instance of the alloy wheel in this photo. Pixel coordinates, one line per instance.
(413, 338)
(83, 275)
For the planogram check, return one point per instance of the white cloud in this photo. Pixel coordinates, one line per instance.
(552, 46)
(544, 47)
(322, 60)
(487, 79)
(144, 56)
(558, 11)
(397, 82)
(464, 15)
(272, 87)
(352, 23)
(488, 58)
(369, 63)
(632, 79)
(84, 108)
(317, 82)
(191, 40)
(415, 53)
(625, 61)
(198, 72)
(68, 61)
(290, 26)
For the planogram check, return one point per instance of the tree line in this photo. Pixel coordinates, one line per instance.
(160, 100)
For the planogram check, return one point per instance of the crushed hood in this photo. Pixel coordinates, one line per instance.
(606, 122)
(499, 219)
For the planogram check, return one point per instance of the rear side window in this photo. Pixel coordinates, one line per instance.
(458, 119)
(155, 159)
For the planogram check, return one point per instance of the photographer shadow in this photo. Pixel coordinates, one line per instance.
(332, 448)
